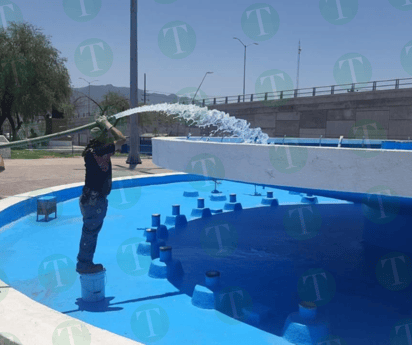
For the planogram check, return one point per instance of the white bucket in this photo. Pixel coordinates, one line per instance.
(93, 286)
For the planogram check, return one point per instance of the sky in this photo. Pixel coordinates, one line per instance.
(342, 41)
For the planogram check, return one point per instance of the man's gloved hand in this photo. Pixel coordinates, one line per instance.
(101, 121)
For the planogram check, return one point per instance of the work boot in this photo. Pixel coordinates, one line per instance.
(90, 268)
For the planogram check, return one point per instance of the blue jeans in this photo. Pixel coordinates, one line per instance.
(94, 208)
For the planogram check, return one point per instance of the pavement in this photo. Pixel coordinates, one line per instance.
(26, 175)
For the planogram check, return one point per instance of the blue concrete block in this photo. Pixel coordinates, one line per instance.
(161, 232)
(233, 206)
(270, 202)
(309, 199)
(158, 269)
(201, 212)
(174, 269)
(218, 197)
(216, 211)
(144, 248)
(301, 331)
(176, 221)
(203, 297)
(257, 315)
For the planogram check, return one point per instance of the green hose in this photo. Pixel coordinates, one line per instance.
(26, 142)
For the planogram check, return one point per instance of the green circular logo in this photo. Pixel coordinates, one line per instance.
(260, 22)
(124, 198)
(57, 273)
(394, 271)
(71, 332)
(367, 130)
(177, 40)
(93, 57)
(208, 166)
(317, 286)
(82, 10)
(338, 12)
(352, 68)
(379, 209)
(271, 86)
(12, 13)
(287, 159)
(219, 238)
(302, 222)
(185, 96)
(129, 261)
(150, 323)
(232, 304)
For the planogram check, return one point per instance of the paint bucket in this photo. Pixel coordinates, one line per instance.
(93, 286)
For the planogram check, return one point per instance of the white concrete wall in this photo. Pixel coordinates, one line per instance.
(336, 169)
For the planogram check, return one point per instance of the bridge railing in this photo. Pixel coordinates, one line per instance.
(392, 84)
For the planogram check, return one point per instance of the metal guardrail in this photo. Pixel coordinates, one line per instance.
(307, 92)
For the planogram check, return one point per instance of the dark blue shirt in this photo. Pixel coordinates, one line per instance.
(99, 168)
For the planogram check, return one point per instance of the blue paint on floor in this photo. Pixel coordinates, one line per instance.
(266, 263)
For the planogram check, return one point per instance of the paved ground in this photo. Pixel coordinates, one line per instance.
(25, 175)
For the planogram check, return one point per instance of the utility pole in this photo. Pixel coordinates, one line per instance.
(297, 78)
(144, 96)
(133, 159)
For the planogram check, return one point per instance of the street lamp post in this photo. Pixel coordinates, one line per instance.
(89, 91)
(200, 85)
(244, 71)
(133, 159)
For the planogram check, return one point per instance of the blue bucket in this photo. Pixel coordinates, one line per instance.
(93, 286)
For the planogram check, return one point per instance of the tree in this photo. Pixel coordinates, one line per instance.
(33, 78)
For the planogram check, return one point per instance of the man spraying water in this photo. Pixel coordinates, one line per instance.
(98, 184)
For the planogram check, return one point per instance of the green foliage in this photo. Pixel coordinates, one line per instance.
(33, 77)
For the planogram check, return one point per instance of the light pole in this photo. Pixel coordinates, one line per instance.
(89, 91)
(133, 159)
(200, 85)
(244, 71)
